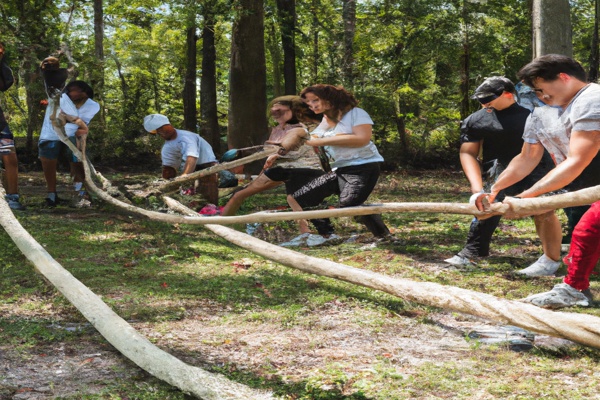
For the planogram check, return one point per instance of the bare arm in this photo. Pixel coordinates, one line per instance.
(583, 147)
(82, 128)
(190, 165)
(519, 167)
(469, 151)
(360, 136)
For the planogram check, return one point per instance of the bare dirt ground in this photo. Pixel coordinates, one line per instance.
(286, 354)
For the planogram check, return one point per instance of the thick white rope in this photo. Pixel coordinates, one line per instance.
(580, 328)
(113, 328)
(117, 331)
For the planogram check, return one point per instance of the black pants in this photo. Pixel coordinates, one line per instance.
(353, 184)
(573, 214)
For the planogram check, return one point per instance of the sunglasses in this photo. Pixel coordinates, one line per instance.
(487, 99)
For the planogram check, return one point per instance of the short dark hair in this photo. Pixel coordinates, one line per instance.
(85, 88)
(548, 67)
(494, 85)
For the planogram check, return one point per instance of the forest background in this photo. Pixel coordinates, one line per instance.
(211, 66)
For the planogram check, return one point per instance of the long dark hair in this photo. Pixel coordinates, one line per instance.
(300, 111)
(340, 100)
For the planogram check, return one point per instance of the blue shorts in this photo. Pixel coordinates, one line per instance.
(7, 141)
(51, 149)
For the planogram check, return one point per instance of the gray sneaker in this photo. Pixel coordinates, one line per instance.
(544, 266)
(298, 241)
(315, 240)
(513, 337)
(13, 202)
(460, 261)
(318, 240)
(561, 295)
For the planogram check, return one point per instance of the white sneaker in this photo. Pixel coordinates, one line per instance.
(460, 261)
(544, 266)
(298, 241)
(561, 295)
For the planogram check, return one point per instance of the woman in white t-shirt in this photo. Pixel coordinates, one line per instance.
(294, 168)
(345, 132)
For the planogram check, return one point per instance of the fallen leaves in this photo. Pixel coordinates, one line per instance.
(242, 265)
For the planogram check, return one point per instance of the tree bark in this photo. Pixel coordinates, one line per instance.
(209, 119)
(349, 20)
(594, 53)
(552, 32)
(189, 84)
(287, 17)
(314, 75)
(97, 74)
(275, 53)
(247, 80)
(465, 61)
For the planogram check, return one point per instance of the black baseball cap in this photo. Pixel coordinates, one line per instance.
(492, 88)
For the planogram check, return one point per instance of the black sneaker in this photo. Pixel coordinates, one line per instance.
(52, 203)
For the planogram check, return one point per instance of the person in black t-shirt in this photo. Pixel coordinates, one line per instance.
(490, 138)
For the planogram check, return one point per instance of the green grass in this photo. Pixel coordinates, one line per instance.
(186, 289)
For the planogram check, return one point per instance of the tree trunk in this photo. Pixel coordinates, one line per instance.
(189, 85)
(349, 18)
(401, 128)
(551, 28)
(315, 42)
(276, 77)
(594, 57)
(35, 40)
(287, 17)
(97, 74)
(209, 120)
(465, 60)
(247, 79)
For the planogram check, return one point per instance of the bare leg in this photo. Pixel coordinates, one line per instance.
(302, 223)
(49, 167)
(549, 230)
(258, 185)
(11, 174)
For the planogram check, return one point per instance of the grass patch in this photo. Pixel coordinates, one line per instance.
(271, 327)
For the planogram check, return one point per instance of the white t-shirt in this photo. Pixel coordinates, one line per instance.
(342, 156)
(85, 112)
(545, 127)
(187, 144)
(552, 126)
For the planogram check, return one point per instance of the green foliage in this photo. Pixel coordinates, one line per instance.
(407, 62)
